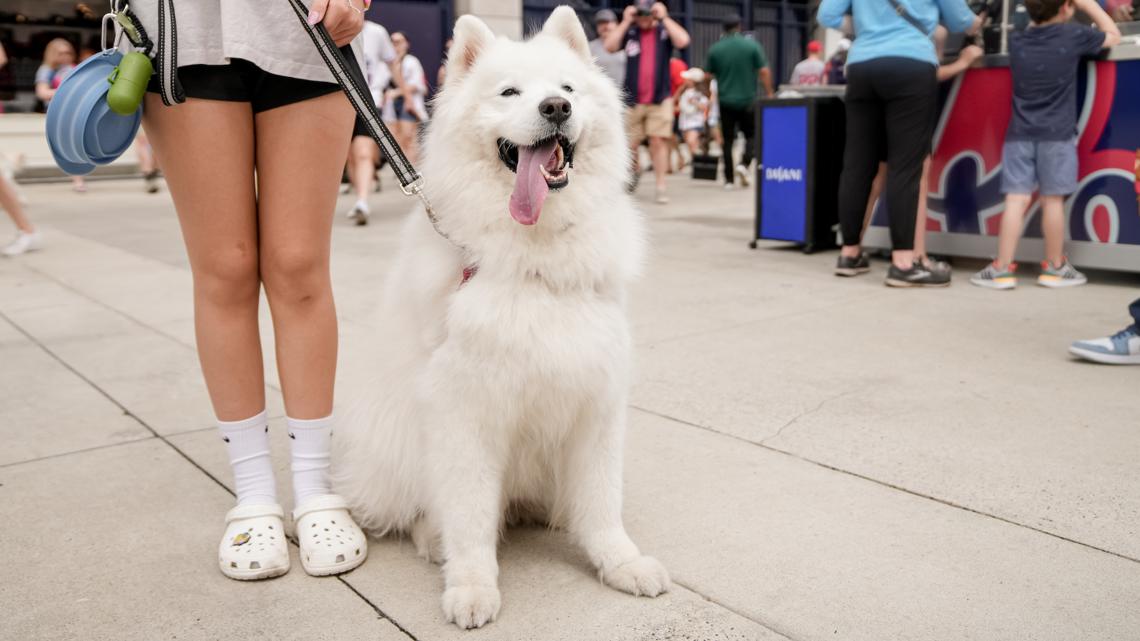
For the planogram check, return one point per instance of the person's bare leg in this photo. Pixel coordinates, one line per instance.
(206, 147)
(10, 201)
(659, 152)
(362, 169)
(1011, 223)
(409, 139)
(920, 214)
(1053, 228)
(300, 151)
(877, 185)
(78, 184)
(693, 140)
(145, 155)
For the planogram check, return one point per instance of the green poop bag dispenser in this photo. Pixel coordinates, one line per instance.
(128, 83)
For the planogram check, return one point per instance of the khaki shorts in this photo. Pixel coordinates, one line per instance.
(650, 120)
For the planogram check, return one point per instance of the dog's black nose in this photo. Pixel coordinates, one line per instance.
(556, 110)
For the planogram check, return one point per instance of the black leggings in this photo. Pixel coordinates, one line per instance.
(733, 119)
(889, 102)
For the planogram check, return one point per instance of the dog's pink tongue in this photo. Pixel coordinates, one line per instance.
(530, 187)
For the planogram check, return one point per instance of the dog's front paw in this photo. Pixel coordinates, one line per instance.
(643, 576)
(471, 606)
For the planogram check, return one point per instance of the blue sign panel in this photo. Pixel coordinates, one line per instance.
(783, 174)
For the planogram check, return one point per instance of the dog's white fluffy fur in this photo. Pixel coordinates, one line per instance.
(505, 398)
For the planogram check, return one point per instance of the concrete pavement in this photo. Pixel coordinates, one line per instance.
(812, 457)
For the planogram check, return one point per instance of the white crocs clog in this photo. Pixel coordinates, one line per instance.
(254, 545)
(330, 541)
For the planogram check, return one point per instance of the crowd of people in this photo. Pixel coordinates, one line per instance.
(671, 104)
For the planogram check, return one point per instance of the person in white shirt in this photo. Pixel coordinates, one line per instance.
(253, 159)
(809, 71)
(381, 65)
(694, 106)
(409, 106)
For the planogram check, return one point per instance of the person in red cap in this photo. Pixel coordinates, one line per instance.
(809, 71)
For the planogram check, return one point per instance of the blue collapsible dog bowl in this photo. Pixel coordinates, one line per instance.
(82, 131)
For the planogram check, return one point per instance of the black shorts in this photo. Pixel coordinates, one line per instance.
(360, 129)
(243, 81)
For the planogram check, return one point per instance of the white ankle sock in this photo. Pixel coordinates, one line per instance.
(248, 445)
(309, 441)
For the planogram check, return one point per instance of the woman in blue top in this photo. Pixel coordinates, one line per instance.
(891, 97)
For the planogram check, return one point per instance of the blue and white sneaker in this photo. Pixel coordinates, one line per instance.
(1122, 348)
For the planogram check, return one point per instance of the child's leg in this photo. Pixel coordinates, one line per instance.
(10, 201)
(1011, 224)
(920, 216)
(1053, 228)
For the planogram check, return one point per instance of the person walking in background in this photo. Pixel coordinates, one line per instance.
(381, 67)
(408, 105)
(892, 92)
(835, 71)
(810, 70)
(253, 159)
(738, 62)
(27, 238)
(59, 60)
(147, 164)
(694, 107)
(677, 69)
(649, 36)
(1122, 348)
(613, 64)
(1040, 151)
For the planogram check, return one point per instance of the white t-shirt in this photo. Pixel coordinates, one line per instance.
(377, 53)
(693, 105)
(264, 32)
(415, 80)
(808, 72)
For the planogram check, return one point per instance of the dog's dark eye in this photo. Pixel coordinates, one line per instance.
(509, 91)
(567, 88)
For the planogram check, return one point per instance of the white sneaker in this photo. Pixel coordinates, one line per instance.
(661, 198)
(359, 213)
(730, 186)
(23, 244)
(742, 174)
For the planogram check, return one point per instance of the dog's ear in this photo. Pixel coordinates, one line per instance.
(563, 24)
(472, 37)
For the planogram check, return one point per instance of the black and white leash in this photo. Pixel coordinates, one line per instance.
(352, 82)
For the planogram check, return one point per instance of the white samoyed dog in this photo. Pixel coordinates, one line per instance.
(503, 380)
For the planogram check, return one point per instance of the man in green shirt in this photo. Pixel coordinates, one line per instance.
(737, 62)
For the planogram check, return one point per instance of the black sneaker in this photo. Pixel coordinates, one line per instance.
(917, 276)
(847, 266)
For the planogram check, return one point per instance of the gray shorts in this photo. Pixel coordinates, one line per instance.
(1048, 164)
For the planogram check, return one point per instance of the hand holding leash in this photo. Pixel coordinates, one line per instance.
(343, 19)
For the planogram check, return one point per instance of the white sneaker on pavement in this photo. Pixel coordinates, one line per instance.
(742, 174)
(359, 213)
(23, 243)
(730, 186)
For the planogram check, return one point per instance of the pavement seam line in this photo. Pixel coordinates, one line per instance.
(172, 446)
(78, 292)
(83, 450)
(767, 625)
(892, 486)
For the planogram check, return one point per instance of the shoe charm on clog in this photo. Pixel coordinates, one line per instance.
(241, 539)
